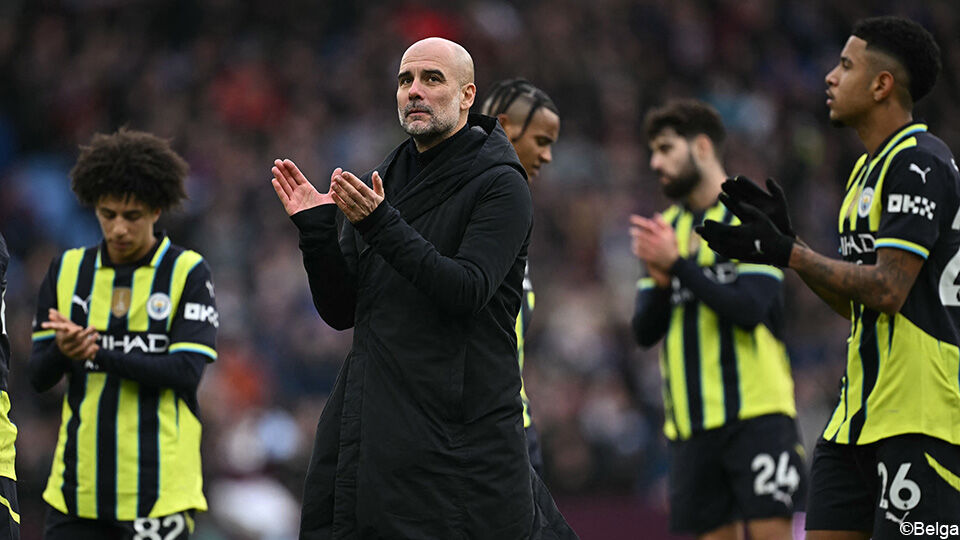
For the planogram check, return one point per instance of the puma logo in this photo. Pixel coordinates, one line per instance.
(756, 246)
(82, 303)
(922, 172)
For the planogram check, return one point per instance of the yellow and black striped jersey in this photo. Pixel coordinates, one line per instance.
(129, 441)
(523, 323)
(902, 370)
(8, 431)
(723, 358)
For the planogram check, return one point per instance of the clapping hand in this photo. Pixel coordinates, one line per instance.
(354, 198)
(654, 242)
(756, 240)
(73, 340)
(773, 204)
(296, 193)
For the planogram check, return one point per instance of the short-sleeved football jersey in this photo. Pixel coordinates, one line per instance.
(903, 370)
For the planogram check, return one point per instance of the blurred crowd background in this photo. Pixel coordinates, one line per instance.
(237, 83)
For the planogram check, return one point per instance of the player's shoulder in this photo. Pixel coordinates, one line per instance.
(73, 256)
(928, 152)
(183, 258)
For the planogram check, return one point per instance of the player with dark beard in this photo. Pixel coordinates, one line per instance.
(727, 388)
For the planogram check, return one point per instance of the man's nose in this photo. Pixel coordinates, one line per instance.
(416, 90)
(547, 155)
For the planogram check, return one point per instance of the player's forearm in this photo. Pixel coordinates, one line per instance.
(180, 371)
(744, 302)
(651, 317)
(838, 282)
(47, 365)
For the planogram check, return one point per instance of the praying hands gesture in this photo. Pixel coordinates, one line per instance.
(354, 198)
(654, 242)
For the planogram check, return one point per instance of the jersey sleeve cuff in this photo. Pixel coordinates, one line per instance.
(646, 283)
(43, 335)
(184, 346)
(905, 245)
(750, 269)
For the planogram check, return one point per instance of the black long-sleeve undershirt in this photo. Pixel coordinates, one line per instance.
(744, 302)
(180, 371)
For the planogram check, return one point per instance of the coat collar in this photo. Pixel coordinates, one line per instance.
(484, 145)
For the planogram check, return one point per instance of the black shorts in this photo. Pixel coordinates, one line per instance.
(9, 510)
(885, 488)
(60, 526)
(747, 470)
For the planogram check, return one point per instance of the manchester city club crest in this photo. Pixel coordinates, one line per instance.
(866, 200)
(158, 306)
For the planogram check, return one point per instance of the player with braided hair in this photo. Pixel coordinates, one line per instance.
(532, 123)
(529, 117)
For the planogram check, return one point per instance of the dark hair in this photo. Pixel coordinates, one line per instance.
(689, 118)
(505, 93)
(910, 44)
(129, 163)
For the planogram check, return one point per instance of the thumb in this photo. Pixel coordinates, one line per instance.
(377, 184)
(733, 204)
(709, 230)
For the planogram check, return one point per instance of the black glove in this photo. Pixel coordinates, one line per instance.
(773, 205)
(757, 240)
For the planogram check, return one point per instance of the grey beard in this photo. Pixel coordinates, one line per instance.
(433, 129)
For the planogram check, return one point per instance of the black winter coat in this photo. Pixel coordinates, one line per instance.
(422, 436)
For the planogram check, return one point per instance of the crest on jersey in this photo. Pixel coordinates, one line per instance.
(866, 199)
(158, 306)
(120, 303)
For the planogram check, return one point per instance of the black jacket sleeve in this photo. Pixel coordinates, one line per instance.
(4, 342)
(744, 301)
(47, 364)
(462, 284)
(651, 316)
(332, 280)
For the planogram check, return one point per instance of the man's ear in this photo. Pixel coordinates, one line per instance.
(469, 92)
(883, 85)
(702, 147)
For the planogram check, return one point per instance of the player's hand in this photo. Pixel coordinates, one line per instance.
(756, 240)
(296, 193)
(354, 198)
(773, 204)
(73, 340)
(654, 242)
(660, 277)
